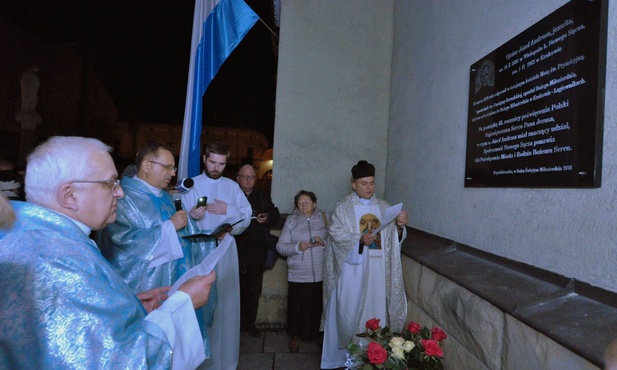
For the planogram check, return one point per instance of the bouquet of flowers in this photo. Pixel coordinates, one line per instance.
(379, 348)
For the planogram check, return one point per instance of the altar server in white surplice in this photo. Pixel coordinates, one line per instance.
(363, 276)
(226, 201)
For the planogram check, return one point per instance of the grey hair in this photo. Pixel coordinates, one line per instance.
(59, 160)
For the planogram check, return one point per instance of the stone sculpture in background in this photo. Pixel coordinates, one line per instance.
(28, 117)
(30, 84)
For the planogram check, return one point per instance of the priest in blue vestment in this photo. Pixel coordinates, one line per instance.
(145, 243)
(64, 306)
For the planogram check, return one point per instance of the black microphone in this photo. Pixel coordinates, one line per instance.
(184, 185)
(178, 200)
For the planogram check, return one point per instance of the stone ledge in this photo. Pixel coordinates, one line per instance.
(580, 317)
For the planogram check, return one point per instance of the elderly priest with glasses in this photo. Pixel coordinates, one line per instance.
(64, 305)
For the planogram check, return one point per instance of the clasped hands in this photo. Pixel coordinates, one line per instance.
(306, 245)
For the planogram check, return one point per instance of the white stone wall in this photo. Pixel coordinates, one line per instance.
(272, 308)
(480, 336)
(571, 232)
(273, 301)
(351, 72)
(333, 96)
(334, 76)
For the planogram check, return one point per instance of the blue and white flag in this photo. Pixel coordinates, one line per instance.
(218, 27)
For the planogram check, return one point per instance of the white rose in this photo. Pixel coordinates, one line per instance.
(396, 342)
(408, 345)
(397, 352)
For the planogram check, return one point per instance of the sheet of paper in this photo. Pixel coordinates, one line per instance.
(389, 216)
(206, 266)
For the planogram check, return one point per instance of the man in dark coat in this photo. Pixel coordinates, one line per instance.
(252, 248)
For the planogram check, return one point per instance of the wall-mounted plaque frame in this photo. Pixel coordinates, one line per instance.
(536, 104)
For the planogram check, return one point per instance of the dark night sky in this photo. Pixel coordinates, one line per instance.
(140, 49)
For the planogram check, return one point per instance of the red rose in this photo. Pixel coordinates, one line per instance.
(431, 347)
(376, 353)
(372, 324)
(413, 327)
(438, 334)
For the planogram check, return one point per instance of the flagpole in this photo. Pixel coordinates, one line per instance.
(218, 27)
(268, 27)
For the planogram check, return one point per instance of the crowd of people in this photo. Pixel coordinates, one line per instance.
(88, 262)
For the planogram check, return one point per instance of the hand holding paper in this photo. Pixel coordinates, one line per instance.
(198, 288)
(402, 219)
(389, 215)
(206, 266)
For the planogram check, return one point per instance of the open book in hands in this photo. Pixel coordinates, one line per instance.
(224, 227)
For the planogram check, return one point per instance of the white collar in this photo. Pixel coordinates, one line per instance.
(366, 202)
(154, 190)
(87, 230)
(209, 179)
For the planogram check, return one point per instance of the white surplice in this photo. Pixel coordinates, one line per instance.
(225, 332)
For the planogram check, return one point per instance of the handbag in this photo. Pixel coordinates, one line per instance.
(272, 254)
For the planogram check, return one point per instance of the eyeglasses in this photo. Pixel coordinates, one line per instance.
(168, 167)
(247, 177)
(112, 184)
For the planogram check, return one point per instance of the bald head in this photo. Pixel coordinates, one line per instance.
(246, 178)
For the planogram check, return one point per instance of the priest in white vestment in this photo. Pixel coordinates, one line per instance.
(363, 276)
(226, 202)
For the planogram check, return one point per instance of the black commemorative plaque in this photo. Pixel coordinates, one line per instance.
(536, 104)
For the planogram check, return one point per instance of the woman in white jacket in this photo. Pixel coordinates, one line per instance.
(303, 240)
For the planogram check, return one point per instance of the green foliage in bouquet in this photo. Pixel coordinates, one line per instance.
(417, 348)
